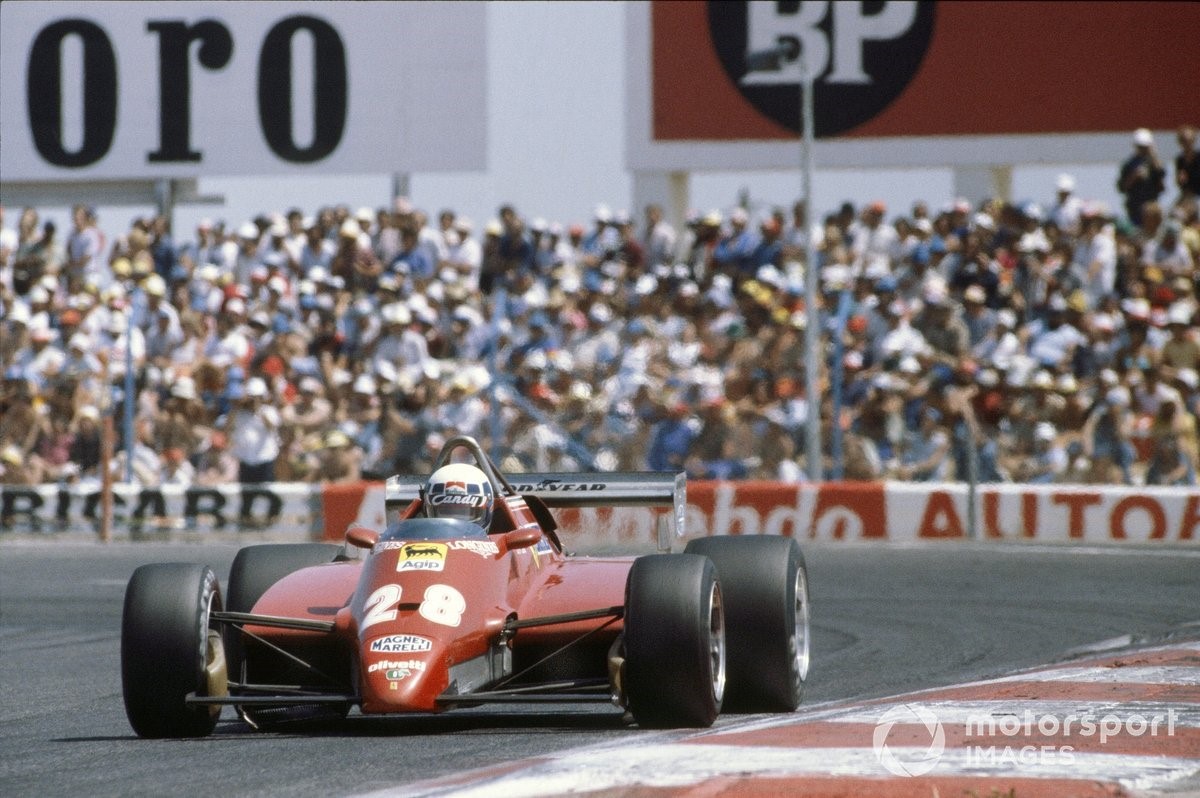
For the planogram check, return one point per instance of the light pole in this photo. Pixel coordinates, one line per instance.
(772, 59)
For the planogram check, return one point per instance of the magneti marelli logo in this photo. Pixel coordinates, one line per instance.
(863, 55)
(905, 756)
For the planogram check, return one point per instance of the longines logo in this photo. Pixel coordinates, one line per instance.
(862, 55)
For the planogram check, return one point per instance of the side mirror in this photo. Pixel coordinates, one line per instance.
(522, 538)
(362, 538)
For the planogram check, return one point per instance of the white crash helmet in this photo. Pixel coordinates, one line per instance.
(461, 491)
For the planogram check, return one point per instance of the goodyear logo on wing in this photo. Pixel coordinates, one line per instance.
(422, 556)
(401, 644)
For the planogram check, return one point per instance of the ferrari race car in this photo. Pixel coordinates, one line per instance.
(441, 612)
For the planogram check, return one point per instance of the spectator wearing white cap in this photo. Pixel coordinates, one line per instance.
(464, 253)
(601, 243)
(1046, 462)
(252, 427)
(874, 242)
(179, 422)
(227, 345)
(113, 342)
(1094, 259)
(1142, 175)
(1167, 253)
(734, 253)
(249, 253)
(1064, 214)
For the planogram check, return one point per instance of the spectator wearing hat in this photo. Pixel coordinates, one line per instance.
(1142, 175)
(734, 252)
(248, 254)
(1053, 340)
(179, 422)
(874, 243)
(980, 320)
(18, 469)
(1065, 212)
(942, 326)
(1182, 349)
(1046, 462)
(338, 460)
(1094, 258)
(252, 427)
(1167, 254)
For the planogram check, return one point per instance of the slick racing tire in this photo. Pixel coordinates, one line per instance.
(765, 586)
(674, 641)
(169, 649)
(254, 570)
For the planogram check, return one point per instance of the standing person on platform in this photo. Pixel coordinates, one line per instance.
(1142, 175)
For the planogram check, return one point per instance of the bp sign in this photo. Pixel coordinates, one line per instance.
(862, 55)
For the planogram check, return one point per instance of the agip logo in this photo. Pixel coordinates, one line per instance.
(862, 55)
(422, 556)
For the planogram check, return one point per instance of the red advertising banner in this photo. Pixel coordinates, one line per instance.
(924, 69)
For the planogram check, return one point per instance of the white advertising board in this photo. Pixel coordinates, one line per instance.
(133, 90)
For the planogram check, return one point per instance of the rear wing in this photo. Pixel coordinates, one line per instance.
(600, 489)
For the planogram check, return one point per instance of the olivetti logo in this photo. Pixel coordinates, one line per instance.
(862, 55)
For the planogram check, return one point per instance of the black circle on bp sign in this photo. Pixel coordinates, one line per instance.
(890, 65)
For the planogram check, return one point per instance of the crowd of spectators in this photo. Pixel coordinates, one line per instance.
(1029, 342)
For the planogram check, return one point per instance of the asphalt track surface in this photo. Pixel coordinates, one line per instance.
(886, 619)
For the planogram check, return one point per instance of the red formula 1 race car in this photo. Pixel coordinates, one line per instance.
(438, 612)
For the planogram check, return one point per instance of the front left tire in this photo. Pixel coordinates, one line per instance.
(169, 648)
(674, 641)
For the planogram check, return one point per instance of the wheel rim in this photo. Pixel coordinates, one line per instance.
(801, 631)
(716, 641)
(214, 670)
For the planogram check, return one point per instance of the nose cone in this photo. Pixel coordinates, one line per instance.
(403, 673)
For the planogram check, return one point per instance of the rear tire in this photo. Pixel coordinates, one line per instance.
(169, 649)
(254, 570)
(674, 641)
(766, 608)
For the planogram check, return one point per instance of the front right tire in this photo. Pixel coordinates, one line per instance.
(766, 598)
